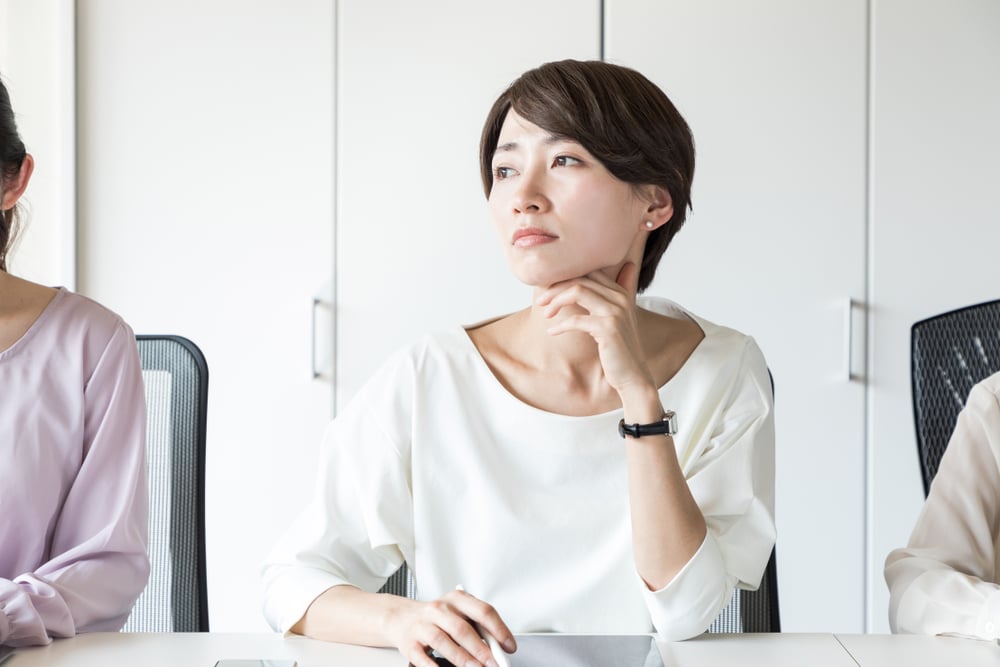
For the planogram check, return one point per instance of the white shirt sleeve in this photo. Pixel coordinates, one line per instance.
(358, 528)
(729, 464)
(944, 581)
(397, 458)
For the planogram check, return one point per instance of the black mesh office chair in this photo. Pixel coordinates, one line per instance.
(949, 353)
(753, 611)
(176, 385)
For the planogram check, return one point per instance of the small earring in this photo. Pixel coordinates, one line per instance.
(649, 224)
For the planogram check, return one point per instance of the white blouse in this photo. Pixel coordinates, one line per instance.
(946, 580)
(435, 463)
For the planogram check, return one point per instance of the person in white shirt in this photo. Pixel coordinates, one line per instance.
(947, 579)
(532, 458)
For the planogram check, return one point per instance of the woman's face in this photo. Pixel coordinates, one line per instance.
(559, 212)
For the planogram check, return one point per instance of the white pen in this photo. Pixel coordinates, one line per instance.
(499, 655)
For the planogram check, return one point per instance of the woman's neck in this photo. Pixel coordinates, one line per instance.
(571, 354)
(21, 303)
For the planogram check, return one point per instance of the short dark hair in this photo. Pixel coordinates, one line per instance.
(12, 153)
(622, 118)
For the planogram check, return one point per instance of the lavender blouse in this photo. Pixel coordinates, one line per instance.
(73, 500)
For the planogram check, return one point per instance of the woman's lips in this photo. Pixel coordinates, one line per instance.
(530, 236)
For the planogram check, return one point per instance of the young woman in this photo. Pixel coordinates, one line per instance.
(73, 505)
(589, 464)
(947, 579)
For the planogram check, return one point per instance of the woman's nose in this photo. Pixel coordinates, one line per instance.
(530, 195)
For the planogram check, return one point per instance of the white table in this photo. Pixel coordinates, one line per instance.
(121, 649)
(918, 651)
(766, 650)
(114, 649)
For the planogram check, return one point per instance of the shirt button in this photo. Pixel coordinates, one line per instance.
(990, 628)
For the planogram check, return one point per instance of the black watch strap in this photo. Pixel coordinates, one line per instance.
(666, 426)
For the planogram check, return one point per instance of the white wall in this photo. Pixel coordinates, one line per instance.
(206, 210)
(37, 59)
(933, 171)
(935, 230)
(775, 246)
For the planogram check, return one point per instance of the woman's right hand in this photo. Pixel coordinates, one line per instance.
(448, 625)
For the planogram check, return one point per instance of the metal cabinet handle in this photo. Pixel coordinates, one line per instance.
(849, 373)
(317, 373)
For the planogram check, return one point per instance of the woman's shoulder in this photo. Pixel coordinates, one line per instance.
(72, 311)
(716, 335)
(724, 356)
(429, 351)
(44, 315)
(75, 326)
(446, 347)
(984, 397)
(989, 386)
(77, 335)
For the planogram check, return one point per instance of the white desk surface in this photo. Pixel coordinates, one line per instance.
(767, 650)
(112, 649)
(123, 649)
(919, 650)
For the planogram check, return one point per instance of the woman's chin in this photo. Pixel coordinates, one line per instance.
(544, 279)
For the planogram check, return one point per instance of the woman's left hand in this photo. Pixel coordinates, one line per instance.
(610, 319)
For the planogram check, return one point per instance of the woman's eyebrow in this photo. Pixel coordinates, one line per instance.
(548, 141)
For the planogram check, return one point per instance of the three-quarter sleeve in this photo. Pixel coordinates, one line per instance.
(945, 581)
(728, 460)
(97, 564)
(358, 528)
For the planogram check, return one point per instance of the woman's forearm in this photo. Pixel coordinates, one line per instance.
(667, 525)
(350, 615)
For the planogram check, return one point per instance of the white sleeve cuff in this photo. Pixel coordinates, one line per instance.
(688, 604)
(290, 590)
(988, 622)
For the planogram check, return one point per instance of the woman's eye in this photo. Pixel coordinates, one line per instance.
(565, 161)
(501, 173)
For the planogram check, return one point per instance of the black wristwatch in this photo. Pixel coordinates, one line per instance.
(666, 426)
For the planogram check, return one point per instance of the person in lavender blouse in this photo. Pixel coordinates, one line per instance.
(73, 499)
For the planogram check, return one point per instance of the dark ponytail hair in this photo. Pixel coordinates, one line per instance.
(12, 154)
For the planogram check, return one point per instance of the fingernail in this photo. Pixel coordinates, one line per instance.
(473, 663)
(491, 663)
(510, 646)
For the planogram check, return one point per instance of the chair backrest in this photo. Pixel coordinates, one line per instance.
(176, 387)
(949, 353)
(753, 611)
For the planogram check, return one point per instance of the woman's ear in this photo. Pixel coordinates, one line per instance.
(661, 207)
(15, 187)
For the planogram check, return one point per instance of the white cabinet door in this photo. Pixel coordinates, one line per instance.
(206, 208)
(775, 95)
(936, 221)
(415, 248)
